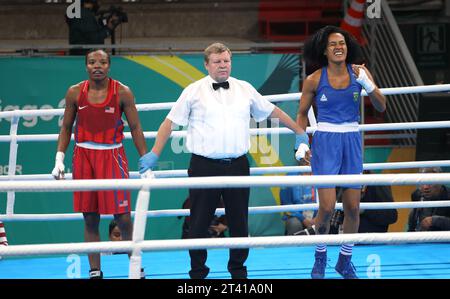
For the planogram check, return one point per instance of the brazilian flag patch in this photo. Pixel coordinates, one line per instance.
(355, 96)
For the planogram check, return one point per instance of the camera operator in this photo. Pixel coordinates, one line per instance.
(87, 30)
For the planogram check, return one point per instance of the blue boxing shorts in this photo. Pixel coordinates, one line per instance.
(337, 153)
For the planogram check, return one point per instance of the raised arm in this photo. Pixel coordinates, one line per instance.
(366, 80)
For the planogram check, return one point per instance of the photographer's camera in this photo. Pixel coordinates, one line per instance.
(93, 26)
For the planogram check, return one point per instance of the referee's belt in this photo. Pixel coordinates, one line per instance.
(220, 161)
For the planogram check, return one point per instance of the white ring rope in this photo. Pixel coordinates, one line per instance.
(211, 182)
(253, 170)
(226, 182)
(211, 243)
(272, 98)
(221, 211)
(253, 132)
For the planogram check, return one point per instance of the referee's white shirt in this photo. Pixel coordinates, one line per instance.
(219, 120)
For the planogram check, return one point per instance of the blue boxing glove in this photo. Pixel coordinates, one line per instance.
(147, 161)
(301, 138)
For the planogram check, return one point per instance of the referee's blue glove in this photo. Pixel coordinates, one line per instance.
(301, 138)
(147, 161)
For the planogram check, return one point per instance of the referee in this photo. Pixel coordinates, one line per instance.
(217, 111)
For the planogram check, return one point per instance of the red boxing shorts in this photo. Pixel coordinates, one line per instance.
(100, 164)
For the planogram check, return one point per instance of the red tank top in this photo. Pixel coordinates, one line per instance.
(99, 123)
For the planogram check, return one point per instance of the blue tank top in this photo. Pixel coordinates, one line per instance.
(338, 105)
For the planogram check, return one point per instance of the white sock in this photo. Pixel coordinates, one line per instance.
(346, 249)
(321, 248)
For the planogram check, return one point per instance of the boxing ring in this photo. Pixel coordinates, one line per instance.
(377, 255)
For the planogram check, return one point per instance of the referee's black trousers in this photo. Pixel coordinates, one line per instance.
(204, 203)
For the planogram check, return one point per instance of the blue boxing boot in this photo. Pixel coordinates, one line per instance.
(345, 267)
(318, 271)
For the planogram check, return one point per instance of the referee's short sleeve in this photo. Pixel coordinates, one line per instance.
(260, 108)
(179, 114)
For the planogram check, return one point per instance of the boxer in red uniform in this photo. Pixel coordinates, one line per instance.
(97, 105)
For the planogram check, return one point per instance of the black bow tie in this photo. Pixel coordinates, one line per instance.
(224, 85)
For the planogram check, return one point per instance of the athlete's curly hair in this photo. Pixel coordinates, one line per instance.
(316, 45)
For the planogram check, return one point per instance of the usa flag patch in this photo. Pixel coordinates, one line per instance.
(123, 204)
(109, 109)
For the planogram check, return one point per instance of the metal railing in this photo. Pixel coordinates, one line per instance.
(391, 64)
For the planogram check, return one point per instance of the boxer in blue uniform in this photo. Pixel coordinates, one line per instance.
(334, 82)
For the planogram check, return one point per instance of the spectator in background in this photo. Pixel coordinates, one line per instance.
(376, 221)
(430, 219)
(115, 234)
(218, 225)
(87, 30)
(114, 231)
